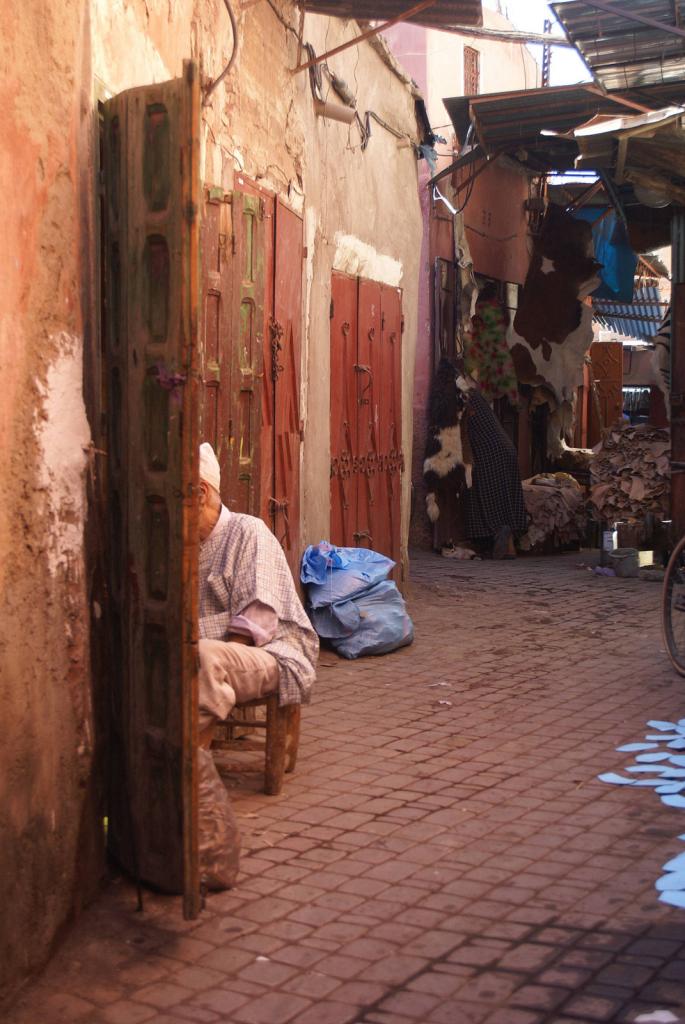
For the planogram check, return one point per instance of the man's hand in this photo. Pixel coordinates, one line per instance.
(239, 638)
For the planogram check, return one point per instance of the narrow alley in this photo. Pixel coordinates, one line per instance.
(444, 852)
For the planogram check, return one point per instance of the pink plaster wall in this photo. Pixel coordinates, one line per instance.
(46, 818)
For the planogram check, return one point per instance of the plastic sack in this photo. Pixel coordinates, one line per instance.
(219, 837)
(383, 626)
(335, 574)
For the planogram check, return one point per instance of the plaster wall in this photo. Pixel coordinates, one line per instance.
(46, 817)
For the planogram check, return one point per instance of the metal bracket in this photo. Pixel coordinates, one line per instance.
(364, 35)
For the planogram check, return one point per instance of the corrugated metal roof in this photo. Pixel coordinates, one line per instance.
(625, 54)
(637, 319)
(505, 119)
(441, 14)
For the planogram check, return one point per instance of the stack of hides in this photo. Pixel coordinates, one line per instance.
(351, 601)
(555, 503)
(631, 473)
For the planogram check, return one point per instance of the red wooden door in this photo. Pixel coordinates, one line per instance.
(391, 417)
(366, 404)
(370, 531)
(344, 409)
(606, 399)
(286, 347)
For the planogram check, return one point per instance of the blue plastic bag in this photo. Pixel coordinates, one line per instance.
(383, 622)
(335, 574)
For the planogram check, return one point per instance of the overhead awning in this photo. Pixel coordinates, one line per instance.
(505, 121)
(629, 44)
(637, 319)
(440, 14)
(647, 150)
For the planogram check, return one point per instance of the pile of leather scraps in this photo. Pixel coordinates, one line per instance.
(631, 473)
(555, 503)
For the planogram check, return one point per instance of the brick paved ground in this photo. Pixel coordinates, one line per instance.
(444, 852)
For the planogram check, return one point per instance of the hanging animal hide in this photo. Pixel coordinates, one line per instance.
(552, 327)
(447, 465)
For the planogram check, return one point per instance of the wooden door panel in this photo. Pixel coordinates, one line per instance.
(152, 295)
(370, 532)
(606, 400)
(286, 356)
(240, 489)
(215, 329)
(391, 416)
(344, 409)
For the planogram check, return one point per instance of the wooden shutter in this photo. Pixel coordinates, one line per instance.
(151, 283)
(241, 483)
(215, 351)
(471, 71)
(286, 342)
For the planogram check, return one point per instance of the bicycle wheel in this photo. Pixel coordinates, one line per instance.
(673, 607)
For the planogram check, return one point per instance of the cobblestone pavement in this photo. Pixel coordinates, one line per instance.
(444, 852)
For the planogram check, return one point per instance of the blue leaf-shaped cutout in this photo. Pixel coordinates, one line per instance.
(636, 746)
(647, 768)
(650, 782)
(616, 780)
(673, 896)
(649, 758)
(674, 773)
(676, 864)
(673, 801)
(673, 880)
(663, 737)
(678, 759)
(661, 726)
(677, 744)
(669, 787)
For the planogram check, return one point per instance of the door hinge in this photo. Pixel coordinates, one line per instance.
(402, 324)
(331, 312)
(191, 212)
(234, 245)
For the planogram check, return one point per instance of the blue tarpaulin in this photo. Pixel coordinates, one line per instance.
(613, 251)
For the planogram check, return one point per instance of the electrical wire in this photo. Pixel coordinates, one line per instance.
(234, 53)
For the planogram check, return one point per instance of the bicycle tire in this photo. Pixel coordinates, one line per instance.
(672, 616)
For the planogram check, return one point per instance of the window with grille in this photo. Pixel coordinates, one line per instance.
(471, 71)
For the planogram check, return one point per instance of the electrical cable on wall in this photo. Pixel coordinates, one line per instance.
(234, 53)
(347, 97)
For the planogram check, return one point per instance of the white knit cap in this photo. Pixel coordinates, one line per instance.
(209, 466)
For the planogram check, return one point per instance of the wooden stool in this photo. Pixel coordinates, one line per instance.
(282, 727)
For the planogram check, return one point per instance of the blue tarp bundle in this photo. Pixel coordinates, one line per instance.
(352, 603)
(613, 251)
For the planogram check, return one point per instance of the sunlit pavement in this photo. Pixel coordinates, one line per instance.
(444, 852)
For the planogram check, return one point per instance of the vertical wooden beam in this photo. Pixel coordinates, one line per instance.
(678, 374)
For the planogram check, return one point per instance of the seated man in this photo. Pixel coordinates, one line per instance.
(255, 637)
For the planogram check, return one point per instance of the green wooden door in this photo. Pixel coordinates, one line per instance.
(151, 288)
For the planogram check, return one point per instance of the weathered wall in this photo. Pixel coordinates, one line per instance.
(356, 205)
(46, 817)
(261, 121)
